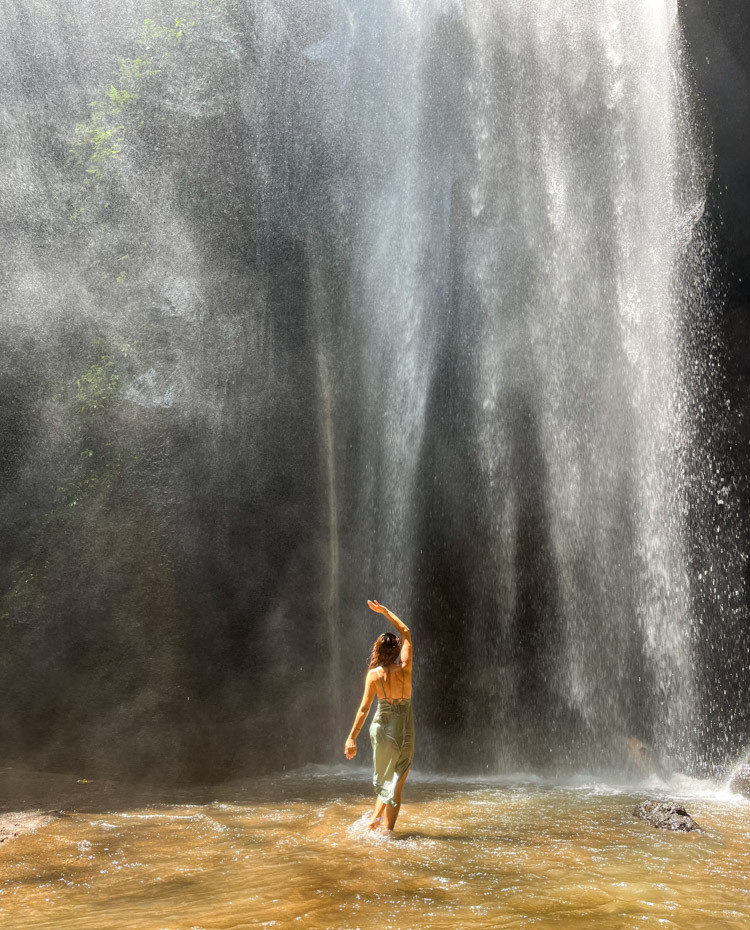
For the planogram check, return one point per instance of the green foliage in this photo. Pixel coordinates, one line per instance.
(153, 33)
(98, 142)
(121, 99)
(100, 460)
(105, 190)
(99, 386)
(96, 466)
(133, 71)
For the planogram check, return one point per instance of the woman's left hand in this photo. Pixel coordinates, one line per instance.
(350, 748)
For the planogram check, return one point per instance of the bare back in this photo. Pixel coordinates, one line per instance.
(393, 682)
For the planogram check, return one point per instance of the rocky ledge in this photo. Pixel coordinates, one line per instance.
(666, 816)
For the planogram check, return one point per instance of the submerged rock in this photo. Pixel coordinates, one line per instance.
(740, 781)
(15, 823)
(666, 816)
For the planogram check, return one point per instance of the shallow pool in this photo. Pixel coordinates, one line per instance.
(293, 851)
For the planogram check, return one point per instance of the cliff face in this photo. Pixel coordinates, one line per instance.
(192, 471)
(718, 37)
(717, 34)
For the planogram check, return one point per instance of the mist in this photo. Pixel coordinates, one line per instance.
(309, 302)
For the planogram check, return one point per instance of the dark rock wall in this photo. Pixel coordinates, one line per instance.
(165, 543)
(717, 34)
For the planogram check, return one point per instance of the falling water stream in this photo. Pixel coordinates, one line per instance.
(429, 335)
(527, 189)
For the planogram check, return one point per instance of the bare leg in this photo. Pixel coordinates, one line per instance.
(391, 813)
(376, 814)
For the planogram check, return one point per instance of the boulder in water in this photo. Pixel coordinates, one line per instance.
(666, 816)
(740, 781)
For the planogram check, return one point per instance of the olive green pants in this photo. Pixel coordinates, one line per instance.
(392, 738)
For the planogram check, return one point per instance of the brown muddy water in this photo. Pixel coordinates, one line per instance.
(292, 851)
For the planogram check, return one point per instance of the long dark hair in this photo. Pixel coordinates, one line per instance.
(385, 650)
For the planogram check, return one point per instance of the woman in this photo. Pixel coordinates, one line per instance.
(392, 728)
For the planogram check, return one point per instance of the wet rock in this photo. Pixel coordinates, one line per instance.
(15, 823)
(641, 757)
(740, 781)
(666, 816)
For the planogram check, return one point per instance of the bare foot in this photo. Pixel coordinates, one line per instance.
(374, 823)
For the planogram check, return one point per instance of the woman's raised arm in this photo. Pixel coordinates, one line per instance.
(407, 647)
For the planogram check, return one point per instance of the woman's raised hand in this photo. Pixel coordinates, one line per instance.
(402, 628)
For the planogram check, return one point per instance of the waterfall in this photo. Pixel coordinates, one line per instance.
(338, 299)
(527, 188)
